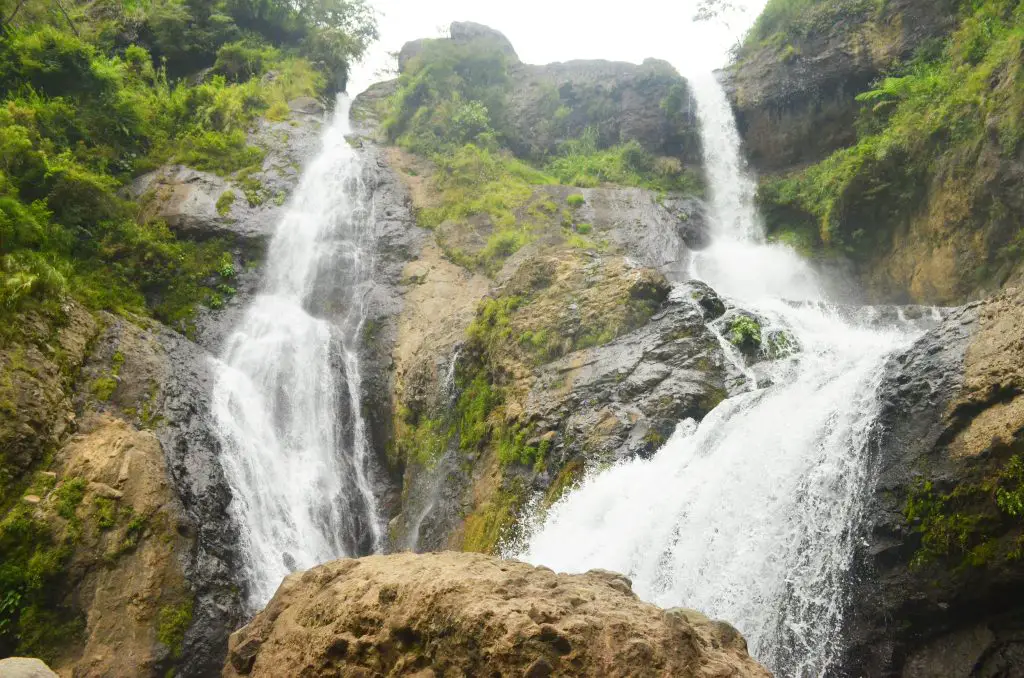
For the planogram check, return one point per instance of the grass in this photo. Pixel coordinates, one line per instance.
(582, 163)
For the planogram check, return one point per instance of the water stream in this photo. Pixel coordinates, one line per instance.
(751, 515)
(286, 397)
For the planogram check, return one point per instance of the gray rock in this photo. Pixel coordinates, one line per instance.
(949, 420)
(795, 102)
(20, 667)
(306, 106)
(467, 31)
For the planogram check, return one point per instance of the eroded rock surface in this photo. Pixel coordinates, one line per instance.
(795, 95)
(468, 614)
(944, 550)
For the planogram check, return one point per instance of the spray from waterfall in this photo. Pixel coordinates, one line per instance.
(750, 516)
(286, 398)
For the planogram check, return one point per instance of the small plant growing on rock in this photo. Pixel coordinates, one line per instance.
(225, 201)
(576, 200)
(745, 334)
(584, 229)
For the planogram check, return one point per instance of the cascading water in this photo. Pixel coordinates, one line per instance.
(751, 515)
(286, 397)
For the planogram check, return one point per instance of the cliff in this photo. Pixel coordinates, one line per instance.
(534, 335)
(887, 135)
(943, 553)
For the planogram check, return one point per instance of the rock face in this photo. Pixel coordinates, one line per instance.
(943, 556)
(794, 94)
(546, 105)
(552, 103)
(466, 614)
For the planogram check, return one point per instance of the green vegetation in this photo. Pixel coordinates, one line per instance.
(576, 200)
(784, 21)
(225, 201)
(924, 132)
(33, 621)
(745, 333)
(476, 182)
(583, 163)
(974, 524)
(84, 110)
(174, 621)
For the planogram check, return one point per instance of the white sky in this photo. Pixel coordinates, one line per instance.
(543, 31)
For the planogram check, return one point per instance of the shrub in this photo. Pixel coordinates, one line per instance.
(575, 200)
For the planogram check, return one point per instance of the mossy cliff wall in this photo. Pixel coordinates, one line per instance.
(923, 103)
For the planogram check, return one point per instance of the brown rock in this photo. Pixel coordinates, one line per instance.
(469, 614)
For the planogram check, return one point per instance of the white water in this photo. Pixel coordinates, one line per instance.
(751, 515)
(286, 396)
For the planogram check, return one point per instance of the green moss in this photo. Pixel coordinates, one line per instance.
(974, 524)
(173, 622)
(32, 586)
(493, 523)
(69, 495)
(103, 388)
(106, 513)
(745, 333)
(225, 201)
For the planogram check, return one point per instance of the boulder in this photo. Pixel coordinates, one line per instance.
(473, 615)
(20, 667)
(942, 552)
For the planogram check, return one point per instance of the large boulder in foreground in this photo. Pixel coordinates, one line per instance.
(467, 614)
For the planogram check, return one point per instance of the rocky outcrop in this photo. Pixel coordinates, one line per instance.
(794, 90)
(39, 359)
(126, 557)
(244, 207)
(946, 518)
(466, 614)
(650, 103)
(545, 105)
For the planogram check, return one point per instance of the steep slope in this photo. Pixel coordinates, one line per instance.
(926, 198)
(943, 556)
(536, 335)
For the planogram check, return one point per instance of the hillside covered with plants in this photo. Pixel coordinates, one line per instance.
(94, 94)
(927, 198)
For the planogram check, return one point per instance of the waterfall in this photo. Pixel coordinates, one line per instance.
(286, 397)
(752, 515)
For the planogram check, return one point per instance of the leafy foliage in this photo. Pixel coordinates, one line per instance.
(928, 125)
(83, 113)
(582, 163)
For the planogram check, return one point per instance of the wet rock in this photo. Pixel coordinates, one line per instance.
(469, 614)
(941, 553)
(626, 397)
(711, 305)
